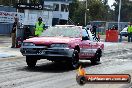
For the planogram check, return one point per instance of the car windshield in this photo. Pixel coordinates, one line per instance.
(62, 31)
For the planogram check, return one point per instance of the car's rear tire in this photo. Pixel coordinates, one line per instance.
(74, 62)
(31, 62)
(96, 59)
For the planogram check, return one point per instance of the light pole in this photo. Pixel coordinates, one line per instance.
(17, 2)
(119, 15)
(28, 1)
(86, 14)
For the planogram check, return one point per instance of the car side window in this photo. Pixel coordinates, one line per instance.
(85, 35)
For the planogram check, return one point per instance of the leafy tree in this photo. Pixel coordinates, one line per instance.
(5, 2)
(73, 11)
(96, 10)
(35, 1)
(105, 2)
(126, 10)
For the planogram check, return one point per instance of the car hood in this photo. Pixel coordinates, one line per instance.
(50, 40)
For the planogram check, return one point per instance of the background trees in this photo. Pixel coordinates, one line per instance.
(126, 10)
(5, 2)
(96, 10)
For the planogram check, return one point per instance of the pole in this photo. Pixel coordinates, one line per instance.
(119, 15)
(17, 18)
(17, 2)
(17, 31)
(27, 1)
(86, 14)
(26, 11)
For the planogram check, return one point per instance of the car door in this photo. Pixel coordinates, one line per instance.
(85, 45)
(94, 43)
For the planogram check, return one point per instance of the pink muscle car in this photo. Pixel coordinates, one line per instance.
(63, 43)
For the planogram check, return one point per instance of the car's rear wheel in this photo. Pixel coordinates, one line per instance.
(96, 58)
(75, 60)
(31, 62)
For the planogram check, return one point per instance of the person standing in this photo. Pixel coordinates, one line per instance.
(39, 27)
(13, 34)
(89, 26)
(130, 32)
(94, 30)
(14, 31)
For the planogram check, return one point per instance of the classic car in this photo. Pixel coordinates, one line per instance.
(63, 43)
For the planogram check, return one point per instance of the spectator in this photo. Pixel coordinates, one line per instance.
(16, 18)
(39, 27)
(130, 32)
(27, 33)
(94, 30)
(13, 34)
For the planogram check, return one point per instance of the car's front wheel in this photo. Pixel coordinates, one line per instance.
(75, 60)
(31, 62)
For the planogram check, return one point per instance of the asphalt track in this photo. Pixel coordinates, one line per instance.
(14, 73)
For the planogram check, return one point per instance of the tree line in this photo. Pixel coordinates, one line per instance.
(126, 10)
(99, 10)
(96, 10)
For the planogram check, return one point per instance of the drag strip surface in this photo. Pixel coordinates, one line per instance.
(14, 72)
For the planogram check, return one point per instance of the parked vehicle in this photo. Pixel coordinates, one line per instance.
(124, 32)
(63, 43)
